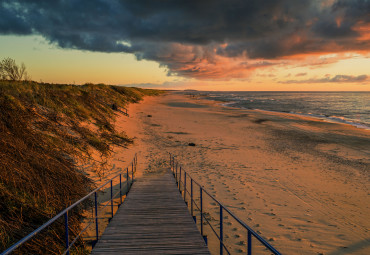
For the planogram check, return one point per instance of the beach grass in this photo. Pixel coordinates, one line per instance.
(44, 130)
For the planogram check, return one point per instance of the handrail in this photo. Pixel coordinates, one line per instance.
(177, 171)
(133, 165)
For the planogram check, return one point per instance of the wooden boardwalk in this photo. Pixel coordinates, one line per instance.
(153, 220)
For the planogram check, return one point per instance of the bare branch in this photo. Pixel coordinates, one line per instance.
(9, 70)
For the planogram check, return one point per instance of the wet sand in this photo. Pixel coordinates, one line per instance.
(300, 182)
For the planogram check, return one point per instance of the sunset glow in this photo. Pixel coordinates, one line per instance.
(310, 45)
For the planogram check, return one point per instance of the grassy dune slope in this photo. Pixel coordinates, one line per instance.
(44, 130)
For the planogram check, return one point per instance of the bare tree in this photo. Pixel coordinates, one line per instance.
(9, 70)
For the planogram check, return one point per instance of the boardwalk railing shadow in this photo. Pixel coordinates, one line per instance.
(96, 210)
(215, 221)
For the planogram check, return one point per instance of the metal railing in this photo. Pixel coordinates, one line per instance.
(216, 226)
(92, 197)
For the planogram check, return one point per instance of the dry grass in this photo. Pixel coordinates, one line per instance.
(42, 134)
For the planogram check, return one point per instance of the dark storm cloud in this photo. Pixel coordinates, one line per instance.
(339, 21)
(354, 9)
(184, 34)
(12, 21)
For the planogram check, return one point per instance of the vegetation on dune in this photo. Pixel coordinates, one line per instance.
(9, 70)
(44, 130)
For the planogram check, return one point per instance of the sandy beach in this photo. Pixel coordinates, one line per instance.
(302, 183)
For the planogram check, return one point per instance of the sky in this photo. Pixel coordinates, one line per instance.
(252, 45)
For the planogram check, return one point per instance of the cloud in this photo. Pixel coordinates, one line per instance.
(163, 85)
(203, 39)
(335, 79)
(145, 85)
(12, 22)
(300, 74)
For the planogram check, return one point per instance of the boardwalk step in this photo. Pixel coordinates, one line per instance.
(153, 220)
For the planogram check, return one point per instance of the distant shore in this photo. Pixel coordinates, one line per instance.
(299, 181)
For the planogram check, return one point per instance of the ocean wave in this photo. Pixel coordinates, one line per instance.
(340, 107)
(332, 119)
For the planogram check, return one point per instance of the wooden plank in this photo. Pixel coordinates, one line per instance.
(154, 219)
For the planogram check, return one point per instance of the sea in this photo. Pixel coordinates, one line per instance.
(344, 107)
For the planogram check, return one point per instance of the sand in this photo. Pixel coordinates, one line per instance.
(300, 182)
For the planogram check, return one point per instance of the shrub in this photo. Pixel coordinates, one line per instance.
(9, 70)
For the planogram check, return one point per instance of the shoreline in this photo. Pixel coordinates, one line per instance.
(299, 181)
(330, 119)
(321, 116)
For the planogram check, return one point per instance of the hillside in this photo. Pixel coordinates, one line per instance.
(44, 130)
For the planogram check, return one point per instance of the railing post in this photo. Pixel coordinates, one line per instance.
(180, 180)
(201, 216)
(191, 199)
(221, 232)
(127, 180)
(96, 217)
(185, 187)
(176, 174)
(173, 165)
(111, 196)
(120, 188)
(132, 172)
(249, 243)
(171, 162)
(201, 210)
(66, 231)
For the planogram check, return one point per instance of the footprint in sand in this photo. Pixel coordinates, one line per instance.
(241, 243)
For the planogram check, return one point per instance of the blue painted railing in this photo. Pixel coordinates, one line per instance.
(92, 196)
(188, 193)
